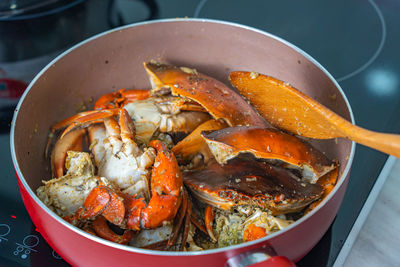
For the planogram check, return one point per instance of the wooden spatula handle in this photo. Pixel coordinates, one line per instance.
(387, 143)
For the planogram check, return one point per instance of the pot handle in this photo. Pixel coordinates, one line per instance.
(259, 257)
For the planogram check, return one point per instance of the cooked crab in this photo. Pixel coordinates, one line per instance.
(116, 154)
(104, 203)
(222, 130)
(258, 190)
(118, 158)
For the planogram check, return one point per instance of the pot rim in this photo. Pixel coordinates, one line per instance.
(20, 176)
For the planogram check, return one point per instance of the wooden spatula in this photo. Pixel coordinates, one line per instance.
(289, 109)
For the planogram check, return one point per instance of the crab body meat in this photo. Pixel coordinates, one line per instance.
(165, 114)
(121, 162)
(66, 194)
(150, 236)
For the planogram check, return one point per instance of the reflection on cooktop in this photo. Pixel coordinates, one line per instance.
(321, 28)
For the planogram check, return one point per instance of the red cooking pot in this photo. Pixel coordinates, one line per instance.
(114, 60)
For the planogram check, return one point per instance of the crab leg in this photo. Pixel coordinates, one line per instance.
(62, 124)
(187, 225)
(81, 119)
(174, 104)
(72, 141)
(87, 118)
(108, 102)
(161, 245)
(123, 130)
(177, 226)
(126, 124)
(102, 230)
(120, 98)
(198, 224)
(191, 106)
(166, 187)
(208, 220)
(114, 212)
(89, 229)
(95, 202)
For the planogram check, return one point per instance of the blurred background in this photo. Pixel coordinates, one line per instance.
(357, 41)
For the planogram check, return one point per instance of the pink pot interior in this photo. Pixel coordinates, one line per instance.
(115, 60)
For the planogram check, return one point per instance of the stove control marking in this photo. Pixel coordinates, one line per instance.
(4, 231)
(29, 242)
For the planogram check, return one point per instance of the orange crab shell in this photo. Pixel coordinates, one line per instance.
(166, 187)
(194, 143)
(268, 143)
(253, 232)
(218, 99)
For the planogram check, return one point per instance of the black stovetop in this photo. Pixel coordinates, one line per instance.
(356, 41)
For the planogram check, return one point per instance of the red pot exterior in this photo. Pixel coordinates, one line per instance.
(78, 250)
(108, 61)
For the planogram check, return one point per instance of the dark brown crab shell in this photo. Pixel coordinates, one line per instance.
(251, 182)
(218, 99)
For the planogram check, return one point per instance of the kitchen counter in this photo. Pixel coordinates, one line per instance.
(379, 238)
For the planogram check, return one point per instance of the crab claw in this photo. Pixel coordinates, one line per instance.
(217, 98)
(103, 200)
(125, 210)
(249, 182)
(166, 188)
(270, 144)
